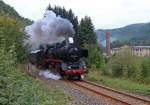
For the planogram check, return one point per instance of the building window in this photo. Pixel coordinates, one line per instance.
(140, 49)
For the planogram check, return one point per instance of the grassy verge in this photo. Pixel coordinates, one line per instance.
(18, 88)
(120, 83)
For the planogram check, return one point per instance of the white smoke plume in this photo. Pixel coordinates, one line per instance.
(49, 75)
(48, 30)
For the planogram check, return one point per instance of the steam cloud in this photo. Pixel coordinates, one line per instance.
(49, 75)
(51, 29)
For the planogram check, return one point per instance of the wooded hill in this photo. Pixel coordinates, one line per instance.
(134, 35)
(7, 10)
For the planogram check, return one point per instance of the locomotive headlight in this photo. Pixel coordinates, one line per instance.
(69, 67)
(70, 40)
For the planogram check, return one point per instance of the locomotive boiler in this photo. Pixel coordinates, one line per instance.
(65, 58)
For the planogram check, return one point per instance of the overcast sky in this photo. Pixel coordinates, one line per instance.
(104, 13)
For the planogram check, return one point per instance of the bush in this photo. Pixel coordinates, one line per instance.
(145, 72)
(95, 57)
(10, 34)
(117, 69)
(125, 64)
(94, 74)
(146, 67)
(17, 88)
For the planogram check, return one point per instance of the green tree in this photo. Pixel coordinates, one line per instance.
(86, 32)
(95, 58)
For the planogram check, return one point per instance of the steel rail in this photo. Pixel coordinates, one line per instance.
(126, 94)
(111, 90)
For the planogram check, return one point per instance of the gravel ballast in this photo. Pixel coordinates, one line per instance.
(77, 95)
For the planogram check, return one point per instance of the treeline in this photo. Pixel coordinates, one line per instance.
(139, 41)
(133, 35)
(84, 29)
(6, 10)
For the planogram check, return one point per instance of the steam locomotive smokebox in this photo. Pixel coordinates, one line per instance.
(36, 57)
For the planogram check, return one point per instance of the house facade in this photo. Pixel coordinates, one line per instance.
(136, 50)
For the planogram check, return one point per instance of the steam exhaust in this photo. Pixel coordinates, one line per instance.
(48, 30)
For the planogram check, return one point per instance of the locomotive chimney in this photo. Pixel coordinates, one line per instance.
(108, 50)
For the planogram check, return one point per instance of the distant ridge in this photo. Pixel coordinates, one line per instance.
(7, 10)
(134, 34)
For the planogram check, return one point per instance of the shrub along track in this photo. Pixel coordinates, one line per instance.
(115, 95)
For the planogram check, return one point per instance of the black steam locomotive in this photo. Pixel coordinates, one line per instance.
(65, 58)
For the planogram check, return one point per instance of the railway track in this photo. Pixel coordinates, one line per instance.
(117, 96)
